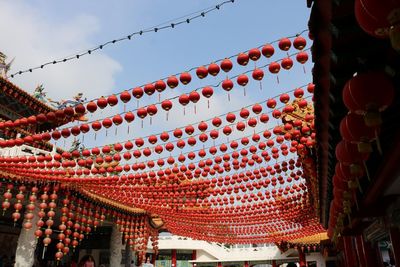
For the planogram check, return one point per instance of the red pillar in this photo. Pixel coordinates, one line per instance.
(194, 257)
(274, 263)
(173, 258)
(360, 250)
(302, 258)
(246, 264)
(219, 264)
(395, 238)
(350, 256)
(153, 259)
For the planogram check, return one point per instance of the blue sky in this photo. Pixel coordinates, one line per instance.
(35, 32)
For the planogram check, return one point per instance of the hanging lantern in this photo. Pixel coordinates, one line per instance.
(137, 92)
(185, 78)
(226, 65)
(284, 44)
(149, 89)
(369, 94)
(379, 20)
(102, 102)
(258, 74)
(302, 57)
(254, 54)
(213, 69)
(125, 97)
(243, 59)
(353, 129)
(268, 50)
(299, 43)
(112, 100)
(201, 72)
(287, 63)
(172, 82)
(242, 80)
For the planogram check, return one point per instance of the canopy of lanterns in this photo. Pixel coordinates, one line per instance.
(245, 176)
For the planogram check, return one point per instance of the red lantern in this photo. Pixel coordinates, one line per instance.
(271, 103)
(227, 85)
(299, 43)
(201, 72)
(184, 99)
(254, 54)
(268, 50)
(172, 82)
(258, 74)
(185, 78)
(243, 59)
(242, 80)
(112, 100)
(166, 105)
(369, 94)
(207, 92)
(137, 92)
(302, 57)
(160, 86)
(129, 117)
(353, 129)
(274, 67)
(375, 18)
(149, 89)
(284, 44)
(287, 63)
(213, 69)
(226, 65)
(125, 97)
(102, 102)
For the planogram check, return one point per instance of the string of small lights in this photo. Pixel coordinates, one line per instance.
(171, 25)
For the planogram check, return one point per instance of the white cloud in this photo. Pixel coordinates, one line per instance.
(33, 40)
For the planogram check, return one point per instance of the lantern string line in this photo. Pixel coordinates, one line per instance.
(186, 19)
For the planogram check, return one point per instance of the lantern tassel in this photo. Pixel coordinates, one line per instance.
(277, 78)
(208, 103)
(142, 124)
(366, 170)
(167, 115)
(244, 91)
(106, 132)
(128, 129)
(124, 107)
(378, 143)
(116, 131)
(304, 69)
(184, 111)
(44, 252)
(355, 200)
(195, 110)
(137, 103)
(151, 120)
(229, 97)
(260, 86)
(95, 135)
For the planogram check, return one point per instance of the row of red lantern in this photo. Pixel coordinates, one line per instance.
(189, 199)
(152, 109)
(210, 235)
(172, 82)
(72, 225)
(216, 212)
(139, 142)
(175, 174)
(204, 168)
(358, 129)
